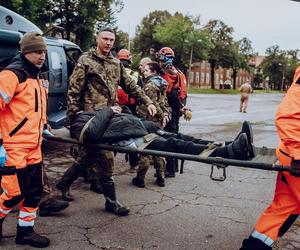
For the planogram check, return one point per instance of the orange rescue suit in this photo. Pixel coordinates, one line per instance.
(285, 207)
(22, 110)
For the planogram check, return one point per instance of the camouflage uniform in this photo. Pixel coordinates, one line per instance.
(93, 85)
(158, 95)
(47, 190)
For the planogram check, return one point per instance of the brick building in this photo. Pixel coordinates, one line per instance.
(200, 76)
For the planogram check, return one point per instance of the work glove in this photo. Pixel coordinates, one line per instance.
(3, 156)
(295, 168)
(187, 115)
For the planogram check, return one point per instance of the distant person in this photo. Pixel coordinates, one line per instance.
(245, 90)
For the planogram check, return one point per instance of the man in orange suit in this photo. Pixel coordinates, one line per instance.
(285, 207)
(22, 117)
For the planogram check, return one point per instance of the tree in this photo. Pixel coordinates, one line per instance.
(79, 18)
(122, 40)
(27, 8)
(221, 53)
(279, 66)
(144, 41)
(241, 51)
(181, 34)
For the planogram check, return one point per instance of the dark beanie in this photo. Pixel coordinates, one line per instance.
(31, 42)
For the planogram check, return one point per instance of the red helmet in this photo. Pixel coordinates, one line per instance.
(166, 51)
(124, 54)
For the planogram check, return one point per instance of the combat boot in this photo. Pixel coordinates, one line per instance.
(51, 206)
(68, 178)
(171, 167)
(27, 236)
(96, 187)
(239, 148)
(116, 207)
(1, 224)
(138, 182)
(254, 244)
(65, 192)
(160, 181)
(112, 204)
(247, 129)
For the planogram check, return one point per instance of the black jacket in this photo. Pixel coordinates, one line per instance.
(106, 126)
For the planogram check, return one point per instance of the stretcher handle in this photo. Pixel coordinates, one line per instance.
(207, 160)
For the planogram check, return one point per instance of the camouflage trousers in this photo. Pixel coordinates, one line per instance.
(146, 161)
(47, 190)
(96, 163)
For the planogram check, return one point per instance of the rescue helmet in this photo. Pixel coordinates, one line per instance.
(124, 54)
(166, 55)
(166, 51)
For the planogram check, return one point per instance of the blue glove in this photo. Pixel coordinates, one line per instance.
(3, 156)
(46, 133)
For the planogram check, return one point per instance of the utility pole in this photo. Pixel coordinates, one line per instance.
(190, 66)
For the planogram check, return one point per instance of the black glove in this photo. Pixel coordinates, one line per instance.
(295, 168)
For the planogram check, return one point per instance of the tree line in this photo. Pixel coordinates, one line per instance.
(185, 34)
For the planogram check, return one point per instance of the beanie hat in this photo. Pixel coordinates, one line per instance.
(31, 42)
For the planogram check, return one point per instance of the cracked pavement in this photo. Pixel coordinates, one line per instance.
(191, 212)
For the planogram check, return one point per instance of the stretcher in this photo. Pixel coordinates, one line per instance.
(265, 158)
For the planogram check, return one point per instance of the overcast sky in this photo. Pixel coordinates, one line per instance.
(264, 22)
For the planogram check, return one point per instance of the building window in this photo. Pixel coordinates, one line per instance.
(197, 77)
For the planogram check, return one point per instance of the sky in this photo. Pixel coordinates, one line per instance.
(264, 22)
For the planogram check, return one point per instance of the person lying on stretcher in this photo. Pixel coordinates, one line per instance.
(110, 125)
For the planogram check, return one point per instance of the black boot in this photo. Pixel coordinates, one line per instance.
(68, 178)
(96, 187)
(27, 236)
(254, 244)
(247, 129)
(171, 167)
(239, 148)
(65, 192)
(112, 204)
(160, 181)
(51, 206)
(1, 223)
(138, 182)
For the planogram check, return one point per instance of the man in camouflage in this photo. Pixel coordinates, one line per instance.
(93, 85)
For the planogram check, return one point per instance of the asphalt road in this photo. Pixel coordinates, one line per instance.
(191, 212)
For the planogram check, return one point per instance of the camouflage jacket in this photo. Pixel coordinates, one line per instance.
(94, 82)
(156, 88)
